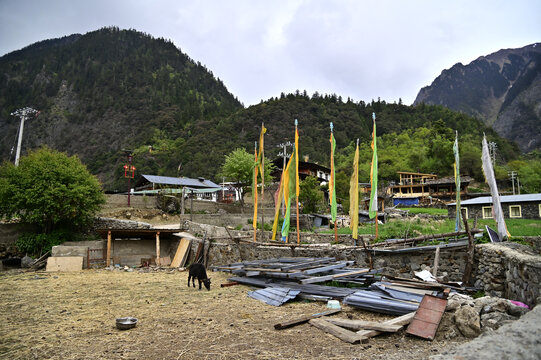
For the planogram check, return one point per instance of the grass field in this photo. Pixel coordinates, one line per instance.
(415, 226)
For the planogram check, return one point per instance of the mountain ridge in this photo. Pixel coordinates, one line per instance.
(503, 89)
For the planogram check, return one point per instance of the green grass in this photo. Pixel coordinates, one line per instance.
(430, 211)
(400, 228)
(516, 227)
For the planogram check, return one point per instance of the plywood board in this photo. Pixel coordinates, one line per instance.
(182, 253)
(427, 318)
(64, 263)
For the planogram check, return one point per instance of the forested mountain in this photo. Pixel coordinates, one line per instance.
(112, 89)
(502, 89)
(105, 91)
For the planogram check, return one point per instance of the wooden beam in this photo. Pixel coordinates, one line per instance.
(401, 320)
(158, 248)
(108, 259)
(367, 325)
(341, 333)
(466, 279)
(304, 319)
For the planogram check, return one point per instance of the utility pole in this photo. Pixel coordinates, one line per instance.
(512, 174)
(24, 114)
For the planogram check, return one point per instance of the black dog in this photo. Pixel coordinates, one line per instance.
(197, 270)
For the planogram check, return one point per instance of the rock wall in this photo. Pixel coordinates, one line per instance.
(507, 272)
(110, 223)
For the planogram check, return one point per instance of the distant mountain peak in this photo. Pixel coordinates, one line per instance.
(503, 89)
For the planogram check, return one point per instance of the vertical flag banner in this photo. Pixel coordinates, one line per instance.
(373, 207)
(278, 202)
(254, 189)
(488, 170)
(289, 192)
(354, 195)
(332, 182)
(261, 158)
(457, 184)
(297, 186)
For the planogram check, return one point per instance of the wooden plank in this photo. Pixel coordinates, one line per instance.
(367, 325)
(180, 255)
(304, 319)
(318, 279)
(232, 283)
(341, 333)
(401, 320)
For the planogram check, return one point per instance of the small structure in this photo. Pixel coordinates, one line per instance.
(132, 246)
(416, 187)
(527, 206)
(322, 173)
(200, 188)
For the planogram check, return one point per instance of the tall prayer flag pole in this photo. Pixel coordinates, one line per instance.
(332, 187)
(354, 196)
(297, 187)
(254, 191)
(373, 208)
(262, 171)
(457, 183)
(488, 170)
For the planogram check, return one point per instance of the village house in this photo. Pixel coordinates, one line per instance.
(414, 188)
(526, 206)
(200, 188)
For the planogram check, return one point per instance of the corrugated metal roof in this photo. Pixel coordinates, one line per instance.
(503, 199)
(196, 183)
(274, 296)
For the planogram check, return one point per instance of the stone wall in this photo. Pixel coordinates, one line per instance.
(504, 271)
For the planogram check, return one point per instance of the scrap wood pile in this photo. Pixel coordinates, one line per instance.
(282, 279)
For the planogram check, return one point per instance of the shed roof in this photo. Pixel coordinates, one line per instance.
(503, 199)
(168, 180)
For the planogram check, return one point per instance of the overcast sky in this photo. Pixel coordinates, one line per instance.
(361, 49)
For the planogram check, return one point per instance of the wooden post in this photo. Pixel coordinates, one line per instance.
(336, 231)
(436, 262)
(376, 223)
(262, 144)
(158, 248)
(191, 206)
(108, 259)
(466, 279)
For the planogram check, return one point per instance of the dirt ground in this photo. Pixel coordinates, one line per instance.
(72, 316)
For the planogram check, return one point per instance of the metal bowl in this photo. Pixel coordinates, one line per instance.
(126, 323)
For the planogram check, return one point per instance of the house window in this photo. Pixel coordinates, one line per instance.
(487, 212)
(515, 211)
(539, 210)
(465, 210)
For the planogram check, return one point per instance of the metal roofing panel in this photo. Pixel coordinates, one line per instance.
(274, 296)
(180, 181)
(503, 199)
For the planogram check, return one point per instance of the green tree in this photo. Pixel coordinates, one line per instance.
(311, 197)
(49, 190)
(238, 167)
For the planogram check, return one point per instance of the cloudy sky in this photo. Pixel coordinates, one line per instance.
(355, 48)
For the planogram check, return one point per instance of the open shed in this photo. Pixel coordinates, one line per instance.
(133, 246)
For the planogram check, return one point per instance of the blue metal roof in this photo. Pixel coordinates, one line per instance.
(167, 180)
(503, 199)
(274, 296)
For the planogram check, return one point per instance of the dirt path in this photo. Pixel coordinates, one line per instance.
(72, 315)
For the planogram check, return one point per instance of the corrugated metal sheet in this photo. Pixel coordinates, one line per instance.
(503, 199)
(167, 180)
(274, 296)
